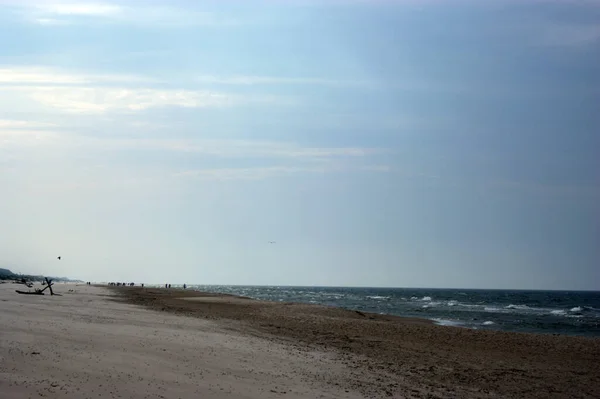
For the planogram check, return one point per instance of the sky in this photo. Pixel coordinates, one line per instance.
(388, 143)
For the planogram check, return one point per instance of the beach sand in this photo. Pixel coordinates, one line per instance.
(96, 342)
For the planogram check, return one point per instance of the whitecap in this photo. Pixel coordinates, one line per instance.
(452, 303)
(522, 307)
(558, 312)
(491, 309)
(488, 323)
(426, 298)
(577, 309)
(378, 297)
(451, 323)
(413, 298)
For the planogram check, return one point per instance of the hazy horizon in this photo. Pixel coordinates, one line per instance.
(378, 143)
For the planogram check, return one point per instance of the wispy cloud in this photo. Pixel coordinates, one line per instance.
(276, 159)
(20, 124)
(230, 148)
(40, 75)
(101, 100)
(78, 92)
(251, 80)
(261, 173)
(19, 133)
(80, 9)
(59, 13)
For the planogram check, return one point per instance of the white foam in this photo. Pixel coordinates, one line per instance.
(452, 303)
(558, 312)
(577, 309)
(413, 298)
(378, 297)
(451, 323)
(491, 309)
(521, 307)
(426, 298)
(488, 323)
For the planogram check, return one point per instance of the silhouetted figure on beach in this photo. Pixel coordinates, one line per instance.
(169, 285)
(184, 286)
(142, 285)
(166, 285)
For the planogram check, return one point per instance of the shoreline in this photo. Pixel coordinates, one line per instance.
(399, 349)
(489, 321)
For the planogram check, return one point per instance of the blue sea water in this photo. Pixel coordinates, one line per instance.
(563, 312)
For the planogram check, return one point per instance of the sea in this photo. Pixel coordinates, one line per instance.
(547, 312)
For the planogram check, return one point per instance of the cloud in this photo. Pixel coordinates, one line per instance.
(261, 173)
(250, 80)
(77, 92)
(242, 173)
(97, 9)
(230, 148)
(51, 21)
(25, 133)
(57, 13)
(101, 99)
(18, 124)
(40, 75)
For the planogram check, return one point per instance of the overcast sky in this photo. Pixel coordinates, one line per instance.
(399, 143)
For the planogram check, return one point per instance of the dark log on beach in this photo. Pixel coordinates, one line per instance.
(29, 292)
(49, 285)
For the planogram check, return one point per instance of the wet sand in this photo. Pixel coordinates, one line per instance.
(404, 357)
(95, 342)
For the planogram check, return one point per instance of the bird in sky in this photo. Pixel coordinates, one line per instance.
(59, 258)
(271, 242)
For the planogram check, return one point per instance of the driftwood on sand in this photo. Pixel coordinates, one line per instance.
(37, 291)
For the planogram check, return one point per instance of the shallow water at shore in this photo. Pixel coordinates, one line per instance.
(563, 312)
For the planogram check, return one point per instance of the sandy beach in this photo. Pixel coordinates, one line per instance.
(96, 342)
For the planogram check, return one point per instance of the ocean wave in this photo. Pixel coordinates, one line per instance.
(576, 310)
(558, 312)
(426, 298)
(519, 307)
(378, 297)
(451, 323)
(452, 303)
(488, 323)
(469, 305)
(492, 309)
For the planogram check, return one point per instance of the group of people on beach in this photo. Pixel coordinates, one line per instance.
(169, 286)
(123, 284)
(133, 284)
